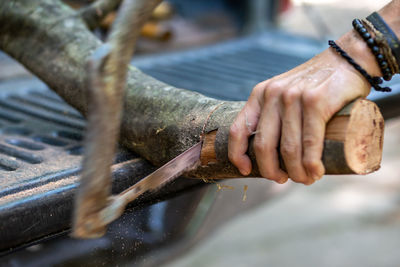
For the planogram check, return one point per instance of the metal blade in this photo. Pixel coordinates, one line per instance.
(173, 169)
(168, 172)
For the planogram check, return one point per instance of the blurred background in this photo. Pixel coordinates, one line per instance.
(338, 221)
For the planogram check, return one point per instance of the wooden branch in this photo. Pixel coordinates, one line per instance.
(159, 121)
(107, 69)
(353, 142)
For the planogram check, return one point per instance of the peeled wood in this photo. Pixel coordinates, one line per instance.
(159, 121)
(353, 142)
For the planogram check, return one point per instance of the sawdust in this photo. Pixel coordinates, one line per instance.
(219, 186)
(245, 187)
(223, 186)
(160, 129)
(138, 144)
(208, 181)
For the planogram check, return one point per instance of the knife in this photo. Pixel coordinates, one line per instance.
(184, 162)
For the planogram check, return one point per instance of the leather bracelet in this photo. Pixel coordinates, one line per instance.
(390, 36)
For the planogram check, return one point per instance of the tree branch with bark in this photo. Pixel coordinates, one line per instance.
(107, 69)
(160, 121)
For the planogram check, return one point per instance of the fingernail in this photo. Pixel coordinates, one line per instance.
(245, 172)
(309, 183)
(316, 177)
(282, 180)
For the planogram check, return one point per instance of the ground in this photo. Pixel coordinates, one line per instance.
(340, 220)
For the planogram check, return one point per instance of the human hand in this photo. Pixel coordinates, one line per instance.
(290, 111)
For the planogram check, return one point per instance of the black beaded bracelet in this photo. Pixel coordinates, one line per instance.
(390, 36)
(374, 81)
(374, 47)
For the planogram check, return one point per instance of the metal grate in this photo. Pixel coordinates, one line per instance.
(227, 71)
(229, 74)
(40, 136)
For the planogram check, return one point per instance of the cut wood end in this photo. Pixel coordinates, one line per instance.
(364, 141)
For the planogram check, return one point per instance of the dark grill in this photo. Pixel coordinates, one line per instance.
(37, 135)
(41, 136)
(226, 75)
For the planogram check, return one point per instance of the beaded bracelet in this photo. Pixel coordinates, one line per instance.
(383, 44)
(374, 81)
(380, 58)
(390, 36)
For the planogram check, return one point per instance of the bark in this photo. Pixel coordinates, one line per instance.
(159, 121)
(107, 69)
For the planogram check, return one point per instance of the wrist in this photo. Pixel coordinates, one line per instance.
(355, 46)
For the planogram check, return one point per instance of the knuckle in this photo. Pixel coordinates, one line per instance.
(290, 96)
(311, 98)
(233, 157)
(272, 90)
(289, 150)
(309, 141)
(259, 145)
(259, 89)
(234, 131)
(260, 86)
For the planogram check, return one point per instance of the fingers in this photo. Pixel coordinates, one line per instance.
(294, 119)
(238, 144)
(267, 139)
(242, 128)
(291, 138)
(313, 135)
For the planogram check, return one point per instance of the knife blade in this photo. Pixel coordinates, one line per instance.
(167, 173)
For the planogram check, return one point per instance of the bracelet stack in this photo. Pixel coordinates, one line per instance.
(375, 49)
(383, 44)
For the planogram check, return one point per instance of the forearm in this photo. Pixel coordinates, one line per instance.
(391, 14)
(354, 45)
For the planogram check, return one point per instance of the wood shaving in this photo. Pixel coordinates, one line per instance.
(245, 187)
(222, 186)
(160, 129)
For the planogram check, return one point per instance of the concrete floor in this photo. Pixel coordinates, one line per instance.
(340, 220)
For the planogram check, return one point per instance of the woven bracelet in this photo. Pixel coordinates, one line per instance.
(390, 36)
(384, 46)
(374, 81)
